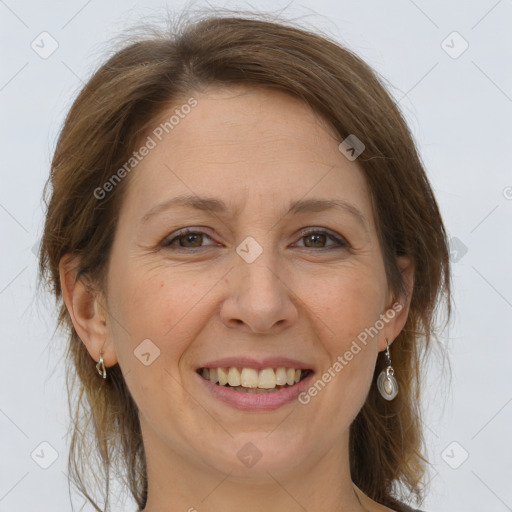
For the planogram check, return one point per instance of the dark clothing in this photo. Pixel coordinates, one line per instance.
(405, 508)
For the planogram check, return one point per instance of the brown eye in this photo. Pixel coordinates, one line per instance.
(313, 239)
(187, 239)
(318, 239)
(194, 239)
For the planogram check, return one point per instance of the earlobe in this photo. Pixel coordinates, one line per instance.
(85, 310)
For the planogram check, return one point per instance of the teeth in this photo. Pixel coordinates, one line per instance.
(267, 379)
(281, 376)
(250, 378)
(223, 377)
(233, 377)
(255, 390)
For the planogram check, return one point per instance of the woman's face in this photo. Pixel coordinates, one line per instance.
(249, 284)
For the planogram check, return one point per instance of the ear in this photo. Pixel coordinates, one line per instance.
(397, 310)
(86, 311)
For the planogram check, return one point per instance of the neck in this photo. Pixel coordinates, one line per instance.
(179, 482)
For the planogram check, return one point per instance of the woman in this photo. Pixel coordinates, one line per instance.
(248, 258)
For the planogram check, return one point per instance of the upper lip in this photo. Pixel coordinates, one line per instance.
(257, 364)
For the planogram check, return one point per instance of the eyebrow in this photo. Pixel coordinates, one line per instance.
(215, 205)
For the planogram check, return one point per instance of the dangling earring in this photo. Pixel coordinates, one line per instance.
(101, 368)
(386, 381)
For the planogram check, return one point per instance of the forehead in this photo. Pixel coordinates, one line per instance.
(244, 144)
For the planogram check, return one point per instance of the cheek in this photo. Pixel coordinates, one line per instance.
(157, 299)
(347, 308)
(152, 305)
(349, 303)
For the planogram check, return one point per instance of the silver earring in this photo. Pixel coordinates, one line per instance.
(101, 368)
(386, 382)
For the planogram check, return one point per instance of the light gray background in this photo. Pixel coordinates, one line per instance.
(459, 110)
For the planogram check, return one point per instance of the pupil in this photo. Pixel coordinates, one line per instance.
(315, 237)
(190, 238)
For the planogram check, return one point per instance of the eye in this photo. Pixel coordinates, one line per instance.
(319, 237)
(192, 239)
(187, 239)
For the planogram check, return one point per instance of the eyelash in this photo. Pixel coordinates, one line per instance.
(167, 243)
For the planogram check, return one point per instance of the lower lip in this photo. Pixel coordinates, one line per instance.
(256, 401)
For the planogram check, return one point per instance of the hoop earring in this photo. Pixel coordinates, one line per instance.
(386, 382)
(101, 368)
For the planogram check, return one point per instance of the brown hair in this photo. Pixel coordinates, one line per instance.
(116, 108)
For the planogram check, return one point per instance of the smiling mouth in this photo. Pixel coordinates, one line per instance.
(250, 380)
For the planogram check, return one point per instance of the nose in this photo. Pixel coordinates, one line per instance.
(259, 296)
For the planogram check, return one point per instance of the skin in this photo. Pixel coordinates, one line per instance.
(257, 150)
